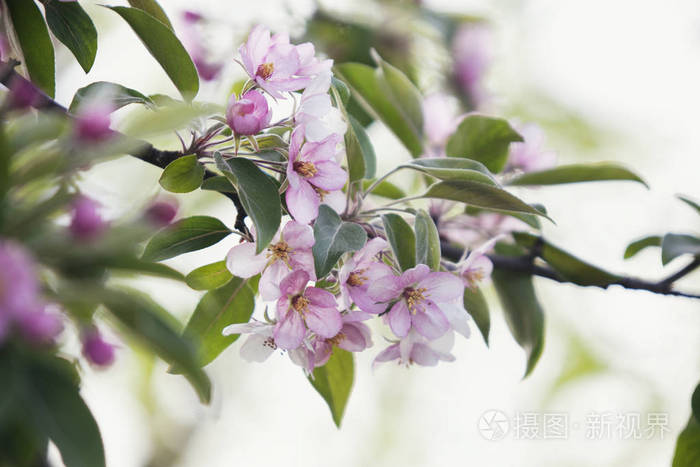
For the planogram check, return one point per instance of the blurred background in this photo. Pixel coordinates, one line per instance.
(612, 80)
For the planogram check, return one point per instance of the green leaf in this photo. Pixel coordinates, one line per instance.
(232, 303)
(342, 89)
(165, 47)
(484, 139)
(362, 162)
(427, 241)
(72, 26)
(638, 245)
(152, 8)
(209, 277)
(147, 321)
(480, 195)
(333, 238)
(259, 197)
(183, 175)
(51, 399)
(477, 307)
(385, 189)
(675, 245)
(453, 168)
(689, 202)
(406, 97)
(35, 43)
(131, 264)
(189, 234)
(531, 220)
(402, 240)
(218, 183)
(687, 452)
(333, 381)
(695, 403)
(521, 308)
(566, 264)
(576, 173)
(116, 93)
(165, 119)
(372, 89)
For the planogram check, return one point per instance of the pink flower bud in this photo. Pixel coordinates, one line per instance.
(86, 222)
(96, 349)
(39, 326)
(162, 212)
(248, 115)
(23, 94)
(92, 122)
(191, 17)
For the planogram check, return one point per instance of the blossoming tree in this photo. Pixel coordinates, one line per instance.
(325, 244)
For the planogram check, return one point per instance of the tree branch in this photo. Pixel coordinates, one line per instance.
(525, 265)
(146, 152)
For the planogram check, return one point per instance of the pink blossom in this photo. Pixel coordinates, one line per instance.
(86, 222)
(289, 250)
(276, 65)
(470, 230)
(248, 115)
(357, 273)
(319, 118)
(18, 285)
(477, 267)
(415, 348)
(260, 343)
(471, 50)
(312, 173)
(354, 336)
(301, 307)
(96, 349)
(162, 212)
(23, 94)
(194, 43)
(440, 120)
(530, 155)
(39, 326)
(416, 295)
(93, 120)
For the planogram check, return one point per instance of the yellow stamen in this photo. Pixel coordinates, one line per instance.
(414, 297)
(300, 304)
(356, 279)
(305, 169)
(265, 70)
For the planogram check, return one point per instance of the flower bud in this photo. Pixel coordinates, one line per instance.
(162, 212)
(248, 115)
(23, 94)
(96, 349)
(86, 222)
(92, 122)
(39, 326)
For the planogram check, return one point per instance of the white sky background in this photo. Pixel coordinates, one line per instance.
(633, 66)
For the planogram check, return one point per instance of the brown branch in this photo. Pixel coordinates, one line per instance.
(146, 152)
(525, 265)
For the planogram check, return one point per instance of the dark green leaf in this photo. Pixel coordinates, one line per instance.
(453, 168)
(402, 240)
(333, 381)
(638, 245)
(333, 238)
(116, 93)
(427, 241)
(521, 308)
(689, 202)
(259, 197)
(406, 97)
(687, 452)
(52, 401)
(152, 8)
(695, 403)
(72, 26)
(371, 89)
(484, 139)
(183, 175)
(165, 48)
(232, 303)
(577, 173)
(531, 220)
(342, 89)
(385, 189)
(209, 277)
(569, 266)
(147, 321)
(189, 234)
(675, 245)
(131, 264)
(362, 162)
(480, 195)
(35, 43)
(477, 307)
(218, 183)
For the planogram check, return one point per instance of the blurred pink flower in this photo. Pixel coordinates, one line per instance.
(93, 120)
(86, 222)
(194, 43)
(312, 173)
(289, 250)
(96, 349)
(416, 295)
(248, 115)
(415, 348)
(471, 49)
(530, 155)
(300, 307)
(440, 120)
(39, 326)
(162, 212)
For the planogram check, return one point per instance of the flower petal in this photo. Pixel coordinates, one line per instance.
(242, 261)
(289, 331)
(431, 321)
(330, 176)
(399, 318)
(320, 297)
(256, 348)
(303, 202)
(442, 286)
(325, 322)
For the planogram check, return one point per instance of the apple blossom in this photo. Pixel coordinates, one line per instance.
(319, 118)
(529, 155)
(414, 297)
(471, 51)
(86, 222)
(354, 336)
(96, 349)
(358, 272)
(415, 348)
(248, 115)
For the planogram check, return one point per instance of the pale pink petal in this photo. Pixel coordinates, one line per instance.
(442, 286)
(294, 283)
(387, 355)
(303, 202)
(423, 355)
(457, 316)
(325, 322)
(330, 176)
(303, 260)
(289, 331)
(335, 200)
(298, 235)
(356, 337)
(371, 249)
(385, 289)
(269, 285)
(399, 318)
(320, 297)
(242, 261)
(413, 275)
(257, 348)
(431, 321)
